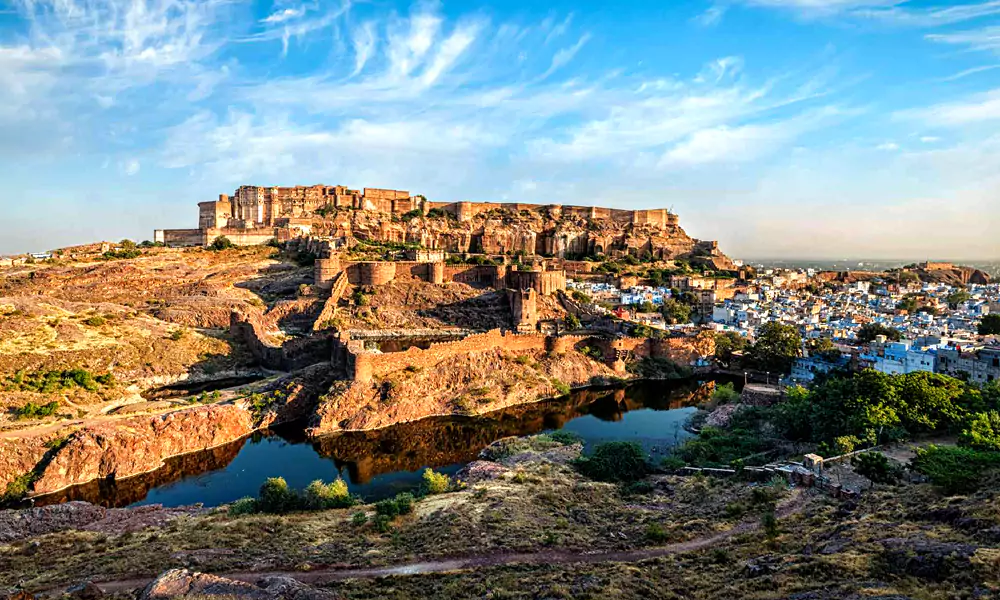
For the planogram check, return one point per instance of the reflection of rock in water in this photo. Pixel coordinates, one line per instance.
(113, 493)
(432, 442)
(443, 441)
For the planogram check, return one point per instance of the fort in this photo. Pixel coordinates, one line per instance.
(257, 215)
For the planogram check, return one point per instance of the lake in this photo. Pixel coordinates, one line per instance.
(378, 464)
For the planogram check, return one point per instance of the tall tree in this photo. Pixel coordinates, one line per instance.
(776, 347)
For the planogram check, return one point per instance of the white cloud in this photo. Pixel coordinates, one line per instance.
(284, 15)
(562, 57)
(363, 39)
(129, 167)
(888, 146)
(889, 12)
(929, 139)
(986, 38)
(712, 15)
(976, 109)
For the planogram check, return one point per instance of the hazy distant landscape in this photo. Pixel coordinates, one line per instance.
(864, 264)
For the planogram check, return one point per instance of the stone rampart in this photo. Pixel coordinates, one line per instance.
(543, 282)
(295, 354)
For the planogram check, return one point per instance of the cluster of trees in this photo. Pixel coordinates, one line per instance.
(49, 382)
(775, 349)
(845, 412)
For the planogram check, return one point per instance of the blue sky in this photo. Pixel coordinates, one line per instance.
(796, 128)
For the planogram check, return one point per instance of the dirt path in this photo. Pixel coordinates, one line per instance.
(324, 575)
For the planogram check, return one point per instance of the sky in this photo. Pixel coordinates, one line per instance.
(781, 128)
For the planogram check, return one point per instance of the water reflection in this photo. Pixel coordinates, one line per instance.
(380, 463)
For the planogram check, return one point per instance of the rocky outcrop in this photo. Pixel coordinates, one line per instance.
(20, 524)
(126, 447)
(138, 445)
(476, 383)
(182, 583)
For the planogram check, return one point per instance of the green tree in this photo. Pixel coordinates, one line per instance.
(875, 467)
(615, 461)
(824, 348)
(727, 344)
(675, 312)
(982, 432)
(776, 347)
(909, 304)
(869, 331)
(990, 325)
(957, 297)
(572, 321)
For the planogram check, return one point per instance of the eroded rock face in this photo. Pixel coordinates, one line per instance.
(133, 446)
(182, 583)
(470, 383)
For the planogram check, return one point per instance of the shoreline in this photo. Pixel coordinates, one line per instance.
(313, 437)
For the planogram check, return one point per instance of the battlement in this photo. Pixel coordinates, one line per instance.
(270, 210)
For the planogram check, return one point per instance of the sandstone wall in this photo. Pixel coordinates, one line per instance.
(294, 354)
(180, 237)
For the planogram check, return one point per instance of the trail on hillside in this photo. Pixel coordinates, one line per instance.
(321, 576)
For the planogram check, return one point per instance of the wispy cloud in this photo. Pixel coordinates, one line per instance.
(712, 16)
(986, 38)
(889, 12)
(979, 108)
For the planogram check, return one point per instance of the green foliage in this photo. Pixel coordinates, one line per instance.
(725, 394)
(404, 503)
(243, 506)
(572, 321)
(305, 259)
(769, 523)
(676, 312)
(276, 497)
(659, 367)
(875, 467)
(319, 495)
(18, 487)
(982, 431)
(36, 411)
(989, 325)
(359, 519)
(561, 387)
(94, 321)
(416, 213)
(672, 464)
(387, 508)
(580, 297)
(957, 297)
(176, 335)
(908, 303)
(655, 533)
(49, 382)
(126, 249)
(566, 438)
(955, 469)
(727, 344)
(436, 483)
(614, 461)
(872, 407)
(221, 243)
(869, 331)
(776, 347)
(382, 523)
(437, 213)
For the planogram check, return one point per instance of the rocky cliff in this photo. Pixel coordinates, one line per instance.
(468, 383)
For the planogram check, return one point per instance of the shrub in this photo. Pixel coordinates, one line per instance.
(672, 463)
(561, 387)
(572, 321)
(36, 411)
(637, 488)
(176, 334)
(276, 497)
(726, 394)
(955, 469)
(875, 467)
(359, 519)
(436, 483)
(243, 506)
(221, 243)
(18, 487)
(404, 503)
(615, 461)
(382, 523)
(319, 495)
(387, 508)
(656, 533)
(95, 321)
